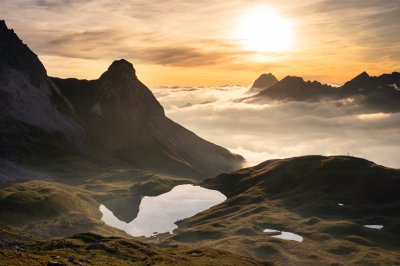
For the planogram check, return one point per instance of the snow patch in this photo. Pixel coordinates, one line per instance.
(374, 226)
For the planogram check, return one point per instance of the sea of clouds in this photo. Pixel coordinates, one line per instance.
(276, 129)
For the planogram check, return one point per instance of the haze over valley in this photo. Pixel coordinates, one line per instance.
(120, 146)
(283, 128)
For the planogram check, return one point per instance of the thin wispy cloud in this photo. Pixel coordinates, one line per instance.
(333, 40)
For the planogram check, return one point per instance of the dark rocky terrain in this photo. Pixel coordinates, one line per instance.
(122, 118)
(114, 118)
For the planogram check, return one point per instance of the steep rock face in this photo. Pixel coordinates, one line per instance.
(114, 117)
(115, 99)
(263, 82)
(31, 106)
(124, 119)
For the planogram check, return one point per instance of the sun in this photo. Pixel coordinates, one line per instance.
(263, 29)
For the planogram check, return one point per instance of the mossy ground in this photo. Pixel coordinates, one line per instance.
(301, 195)
(91, 249)
(298, 195)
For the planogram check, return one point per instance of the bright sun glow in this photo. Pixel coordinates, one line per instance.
(264, 30)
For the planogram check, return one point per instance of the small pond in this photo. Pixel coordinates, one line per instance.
(159, 214)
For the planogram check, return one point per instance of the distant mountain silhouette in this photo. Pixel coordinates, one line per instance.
(263, 82)
(114, 117)
(295, 88)
(380, 93)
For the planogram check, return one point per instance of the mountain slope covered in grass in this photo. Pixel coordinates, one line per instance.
(326, 200)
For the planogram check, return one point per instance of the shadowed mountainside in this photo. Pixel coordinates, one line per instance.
(107, 138)
(33, 112)
(113, 118)
(123, 118)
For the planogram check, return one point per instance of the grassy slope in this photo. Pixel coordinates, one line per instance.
(69, 203)
(51, 209)
(301, 195)
(17, 248)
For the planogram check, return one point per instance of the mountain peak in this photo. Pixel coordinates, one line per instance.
(267, 75)
(17, 55)
(3, 25)
(364, 75)
(121, 64)
(264, 81)
(120, 69)
(293, 79)
(360, 80)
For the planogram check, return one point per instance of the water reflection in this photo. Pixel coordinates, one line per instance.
(158, 214)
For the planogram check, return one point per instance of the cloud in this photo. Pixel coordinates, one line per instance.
(373, 117)
(283, 129)
(183, 56)
(85, 45)
(342, 36)
(55, 3)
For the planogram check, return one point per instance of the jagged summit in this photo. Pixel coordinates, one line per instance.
(14, 53)
(292, 79)
(121, 63)
(379, 93)
(31, 108)
(3, 25)
(264, 81)
(120, 68)
(293, 87)
(123, 95)
(358, 81)
(361, 77)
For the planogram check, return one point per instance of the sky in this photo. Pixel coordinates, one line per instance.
(212, 42)
(282, 129)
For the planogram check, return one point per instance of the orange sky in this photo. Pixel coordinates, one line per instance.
(211, 42)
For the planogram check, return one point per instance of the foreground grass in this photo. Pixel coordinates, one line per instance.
(17, 248)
